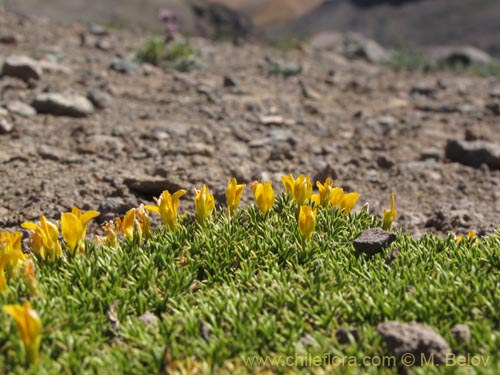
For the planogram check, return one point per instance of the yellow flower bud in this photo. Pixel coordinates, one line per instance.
(389, 215)
(307, 221)
(204, 203)
(302, 189)
(325, 192)
(264, 195)
(233, 194)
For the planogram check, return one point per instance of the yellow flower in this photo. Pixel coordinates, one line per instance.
(30, 328)
(30, 278)
(288, 183)
(11, 256)
(74, 228)
(233, 194)
(44, 238)
(471, 236)
(127, 226)
(144, 222)
(111, 229)
(348, 202)
(204, 204)
(167, 206)
(264, 195)
(337, 194)
(389, 215)
(307, 221)
(302, 189)
(325, 192)
(316, 200)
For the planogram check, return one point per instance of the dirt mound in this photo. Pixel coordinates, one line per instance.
(109, 133)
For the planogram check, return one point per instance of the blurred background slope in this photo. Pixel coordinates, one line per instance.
(391, 22)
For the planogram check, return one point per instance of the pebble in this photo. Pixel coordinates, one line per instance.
(373, 240)
(63, 104)
(421, 341)
(22, 67)
(151, 185)
(474, 153)
(21, 109)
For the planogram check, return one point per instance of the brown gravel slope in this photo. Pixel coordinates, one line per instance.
(364, 125)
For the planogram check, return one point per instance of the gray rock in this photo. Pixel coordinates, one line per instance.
(416, 339)
(229, 82)
(104, 45)
(373, 240)
(21, 109)
(384, 162)
(5, 126)
(432, 153)
(461, 333)
(49, 66)
(494, 108)
(352, 45)
(460, 55)
(100, 99)
(63, 104)
(125, 66)
(358, 46)
(97, 30)
(112, 207)
(51, 153)
(149, 185)
(103, 145)
(11, 38)
(22, 67)
(474, 153)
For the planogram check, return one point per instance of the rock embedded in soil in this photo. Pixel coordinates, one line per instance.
(432, 153)
(63, 104)
(458, 55)
(125, 66)
(22, 67)
(100, 99)
(111, 207)
(20, 108)
(474, 153)
(373, 240)
(5, 126)
(148, 185)
(494, 108)
(417, 340)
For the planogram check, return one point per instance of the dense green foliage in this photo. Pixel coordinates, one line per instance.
(232, 289)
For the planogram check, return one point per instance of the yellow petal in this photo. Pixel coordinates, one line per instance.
(87, 216)
(288, 183)
(127, 225)
(30, 328)
(72, 230)
(30, 226)
(307, 221)
(155, 209)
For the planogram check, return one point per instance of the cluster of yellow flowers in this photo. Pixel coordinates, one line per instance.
(12, 261)
(136, 225)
